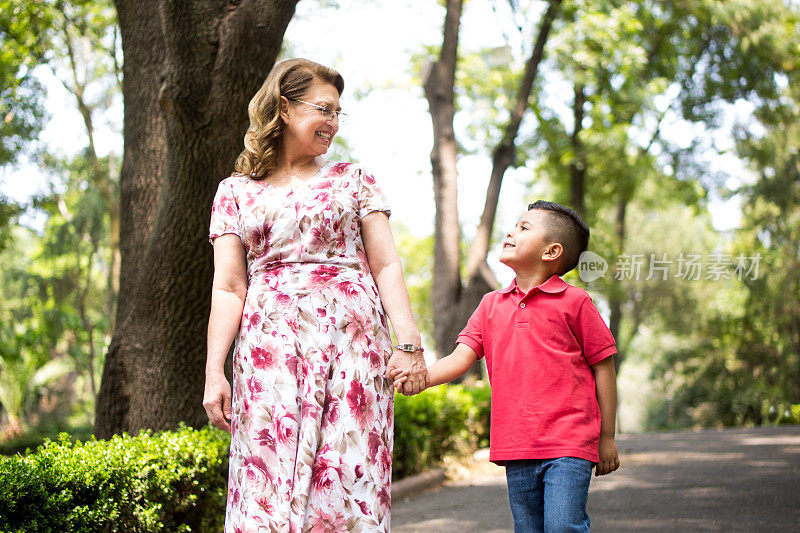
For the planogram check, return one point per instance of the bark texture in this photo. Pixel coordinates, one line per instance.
(190, 70)
(453, 299)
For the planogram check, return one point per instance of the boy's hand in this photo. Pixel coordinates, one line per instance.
(398, 377)
(609, 458)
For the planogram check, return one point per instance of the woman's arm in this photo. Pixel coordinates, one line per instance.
(387, 270)
(228, 293)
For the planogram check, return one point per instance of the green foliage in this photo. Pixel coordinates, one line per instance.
(176, 481)
(170, 481)
(23, 43)
(416, 254)
(59, 278)
(442, 420)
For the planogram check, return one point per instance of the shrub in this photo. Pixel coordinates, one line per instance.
(176, 481)
(169, 481)
(440, 421)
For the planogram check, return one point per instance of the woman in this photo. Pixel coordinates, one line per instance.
(305, 269)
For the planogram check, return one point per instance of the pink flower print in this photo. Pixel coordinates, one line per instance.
(261, 358)
(384, 499)
(366, 178)
(286, 431)
(348, 289)
(259, 239)
(265, 504)
(330, 413)
(373, 443)
(364, 507)
(323, 274)
(359, 472)
(257, 469)
(360, 402)
(340, 240)
(328, 523)
(228, 206)
(254, 319)
(255, 387)
(356, 329)
(321, 238)
(384, 460)
(310, 411)
(340, 168)
(293, 365)
(324, 197)
(375, 360)
(326, 477)
(265, 438)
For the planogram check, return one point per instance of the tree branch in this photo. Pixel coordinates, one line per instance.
(504, 153)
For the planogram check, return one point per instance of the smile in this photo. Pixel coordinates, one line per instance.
(326, 135)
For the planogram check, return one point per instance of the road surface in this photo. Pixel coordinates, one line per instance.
(728, 480)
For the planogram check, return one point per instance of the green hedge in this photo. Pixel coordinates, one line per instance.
(176, 480)
(170, 481)
(451, 419)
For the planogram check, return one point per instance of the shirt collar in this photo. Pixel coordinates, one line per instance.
(553, 285)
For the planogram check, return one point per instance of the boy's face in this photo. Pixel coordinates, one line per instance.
(525, 245)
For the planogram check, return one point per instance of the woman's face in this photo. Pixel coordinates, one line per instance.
(307, 131)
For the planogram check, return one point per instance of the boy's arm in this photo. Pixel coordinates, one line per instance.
(442, 371)
(605, 379)
(454, 365)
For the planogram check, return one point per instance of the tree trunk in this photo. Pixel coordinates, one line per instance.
(190, 69)
(453, 301)
(438, 82)
(577, 168)
(617, 300)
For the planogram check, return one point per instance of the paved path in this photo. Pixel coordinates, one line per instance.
(729, 480)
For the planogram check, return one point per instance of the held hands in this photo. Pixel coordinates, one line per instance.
(408, 372)
(217, 400)
(399, 377)
(609, 458)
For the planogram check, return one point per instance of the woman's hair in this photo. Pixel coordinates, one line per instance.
(291, 79)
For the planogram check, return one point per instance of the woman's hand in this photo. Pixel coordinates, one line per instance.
(217, 400)
(413, 366)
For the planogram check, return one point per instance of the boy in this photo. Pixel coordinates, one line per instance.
(549, 356)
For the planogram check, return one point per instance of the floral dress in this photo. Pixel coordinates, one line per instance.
(312, 421)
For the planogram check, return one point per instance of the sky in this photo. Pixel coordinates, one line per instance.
(388, 129)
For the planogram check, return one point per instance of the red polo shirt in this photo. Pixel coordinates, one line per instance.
(539, 347)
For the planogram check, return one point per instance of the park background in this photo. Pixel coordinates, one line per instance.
(673, 127)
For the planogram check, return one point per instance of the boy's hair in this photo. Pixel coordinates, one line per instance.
(566, 227)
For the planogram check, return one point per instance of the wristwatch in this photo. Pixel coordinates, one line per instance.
(408, 347)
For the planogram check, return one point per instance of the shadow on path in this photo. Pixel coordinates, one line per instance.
(728, 480)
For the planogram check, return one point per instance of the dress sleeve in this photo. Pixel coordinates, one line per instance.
(370, 196)
(224, 212)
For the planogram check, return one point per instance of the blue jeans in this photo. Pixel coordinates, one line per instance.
(549, 495)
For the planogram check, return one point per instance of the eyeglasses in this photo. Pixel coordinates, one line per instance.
(327, 111)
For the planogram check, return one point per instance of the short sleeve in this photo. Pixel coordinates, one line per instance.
(370, 196)
(592, 333)
(472, 334)
(224, 212)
